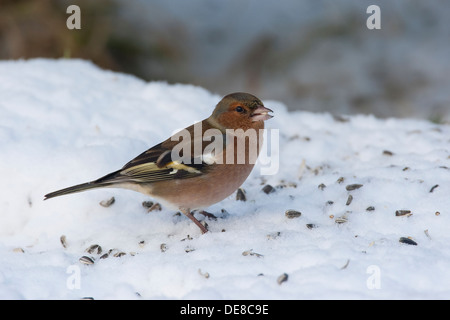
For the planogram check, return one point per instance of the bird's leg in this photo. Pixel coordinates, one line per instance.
(188, 213)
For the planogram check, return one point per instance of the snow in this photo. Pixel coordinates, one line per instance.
(65, 122)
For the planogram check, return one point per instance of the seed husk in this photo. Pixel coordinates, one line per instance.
(291, 214)
(354, 186)
(407, 241)
(311, 225)
(434, 187)
(163, 247)
(251, 253)
(371, 208)
(107, 203)
(203, 274)
(240, 195)
(321, 186)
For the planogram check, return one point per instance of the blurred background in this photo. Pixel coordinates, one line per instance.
(315, 55)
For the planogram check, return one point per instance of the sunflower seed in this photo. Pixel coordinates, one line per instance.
(119, 254)
(291, 214)
(107, 203)
(93, 248)
(147, 204)
(163, 247)
(311, 225)
(268, 189)
(407, 241)
(400, 213)
(388, 153)
(351, 187)
(341, 219)
(155, 207)
(282, 278)
(63, 241)
(104, 256)
(349, 200)
(142, 243)
(340, 180)
(371, 208)
(321, 186)
(240, 195)
(86, 260)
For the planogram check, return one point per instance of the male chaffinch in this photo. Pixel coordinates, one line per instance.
(213, 165)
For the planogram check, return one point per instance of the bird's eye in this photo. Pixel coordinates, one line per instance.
(239, 109)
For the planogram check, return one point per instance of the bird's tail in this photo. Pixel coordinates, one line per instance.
(106, 181)
(74, 189)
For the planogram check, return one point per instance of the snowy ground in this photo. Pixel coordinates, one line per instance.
(66, 121)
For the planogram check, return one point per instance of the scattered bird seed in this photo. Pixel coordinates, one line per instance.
(251, 253)
(406, 168)
(147, 204)
(203, 274)
(427, 234)
(18, 250)
(95, 248)
(107, 203)
(104, 256)
(311, 225)
(268, 189)
(434, 187)
(437, 213)
(291, 214)
(282, 278)
(240, 195)
(371, 208)
(321, 186)
(400, 213)
(349, 200)
(340, 180)
(142, 243)
(155, 207)
(351, 187)
(119, 254)
(63, 241)
(86, 260)
(388, 153)
(163, 247)
(341, 219)
(407, 241)
(329, 202)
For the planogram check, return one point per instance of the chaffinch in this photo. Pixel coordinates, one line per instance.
(213, 158)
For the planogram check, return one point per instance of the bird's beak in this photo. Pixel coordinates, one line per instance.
(261, 114)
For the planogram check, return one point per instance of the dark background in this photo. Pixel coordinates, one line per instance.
(312, 55)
